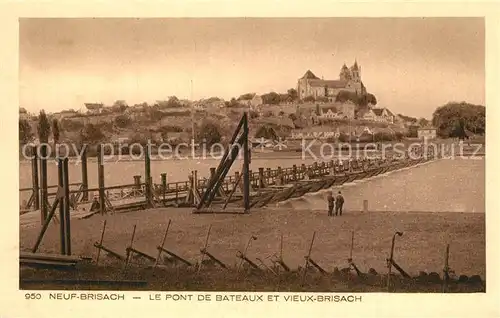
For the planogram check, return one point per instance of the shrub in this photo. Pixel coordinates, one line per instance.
(210, 132)
(123, 121)
(71, 125)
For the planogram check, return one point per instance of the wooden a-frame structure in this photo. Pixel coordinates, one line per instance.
(238, 141)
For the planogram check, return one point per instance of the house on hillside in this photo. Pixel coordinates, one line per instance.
(383, 115)
(329, 112)
(427, 132)
(366, 114)
(94, 108)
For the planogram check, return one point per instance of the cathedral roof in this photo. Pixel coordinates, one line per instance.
(355, 66)
(328, 83)
(309, 75)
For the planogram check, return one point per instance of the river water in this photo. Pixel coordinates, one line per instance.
(442, 186)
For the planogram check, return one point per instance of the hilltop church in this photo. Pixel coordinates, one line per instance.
(349, 80)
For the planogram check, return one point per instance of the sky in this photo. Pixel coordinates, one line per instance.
(412, 65)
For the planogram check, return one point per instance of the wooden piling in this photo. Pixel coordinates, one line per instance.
(67, 217)
(365, 206)
(147, 176)
(164, 186)
(246, 165)
(100, 177)
(262, 183)
(43, 177)
(34, 177)
(85, 180)
(279, 177)
(137, 182)
(60, 196)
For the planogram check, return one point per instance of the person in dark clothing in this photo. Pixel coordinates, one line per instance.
(331, 204)
(339, 203)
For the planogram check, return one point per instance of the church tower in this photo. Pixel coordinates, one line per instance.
(356, 72)
(345, 74)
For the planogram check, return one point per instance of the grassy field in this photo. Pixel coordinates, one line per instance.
(421, 248)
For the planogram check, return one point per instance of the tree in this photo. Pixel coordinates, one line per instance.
(43, 127)
(91, 134)
(56, 133)
(120, 103)
(454, 119)
(422, 122)
(210, 132)
(266, 132)
(271, 98)
(25, 132)
(247, 96)
(292, 92)
(123, 121)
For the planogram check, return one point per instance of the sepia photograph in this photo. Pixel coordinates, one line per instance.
(307, 155)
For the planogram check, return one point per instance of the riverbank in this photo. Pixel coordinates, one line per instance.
(421, 248)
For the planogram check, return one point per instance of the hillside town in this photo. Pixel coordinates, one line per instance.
(314, 108)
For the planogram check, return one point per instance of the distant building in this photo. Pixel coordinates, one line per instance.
(427, 132)
(366, 114)
(329, 112)
(94, 108)
(383, 115)
(349, 80)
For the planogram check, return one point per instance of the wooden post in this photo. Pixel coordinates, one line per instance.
(129, 247)
(147, 173)
(365, 206)
(85, 180)
(306, 265)
(67, 217)
(446, 270)
(43, 177)
(137, 182)
(164, 186)
(60, 195)
(100, 243)
(34, 177)
(162, 245)
(100, 176)
(204, 249)
(279, 177)
(261, 178)
(221, 169)
(246, 165)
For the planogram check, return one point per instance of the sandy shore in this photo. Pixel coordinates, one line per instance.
(421, 248)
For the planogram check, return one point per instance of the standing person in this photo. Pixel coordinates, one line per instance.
(331, 204)
(339, 203)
